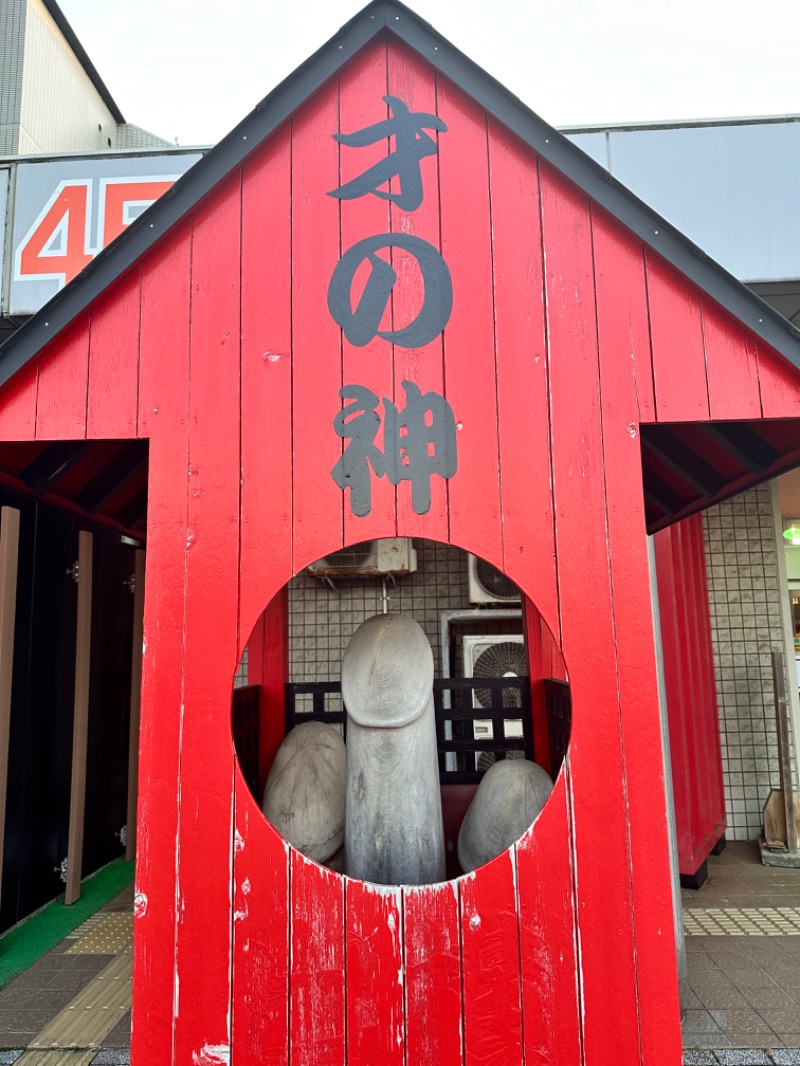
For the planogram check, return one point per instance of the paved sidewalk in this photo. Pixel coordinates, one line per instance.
(743, 948)
(72, 1007)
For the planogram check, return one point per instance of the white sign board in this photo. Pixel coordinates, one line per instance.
(66, 211)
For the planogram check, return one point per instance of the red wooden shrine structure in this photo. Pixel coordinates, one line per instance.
(593, 361)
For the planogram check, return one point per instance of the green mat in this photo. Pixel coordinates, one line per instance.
(21, 946)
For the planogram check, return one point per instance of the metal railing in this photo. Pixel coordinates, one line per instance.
(489, 719)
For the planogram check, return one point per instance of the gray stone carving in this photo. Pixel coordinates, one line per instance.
(304, 797)
(393, 825)
(510, 796)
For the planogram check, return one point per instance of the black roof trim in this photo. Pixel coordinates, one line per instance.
(600, 186)
(80, 53)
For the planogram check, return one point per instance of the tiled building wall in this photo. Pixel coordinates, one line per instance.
(746, 624)
(322, 620)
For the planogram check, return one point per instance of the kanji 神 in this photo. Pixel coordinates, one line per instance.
(418, 441)
(404, 162)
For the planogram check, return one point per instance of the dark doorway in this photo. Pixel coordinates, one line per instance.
(42, 702)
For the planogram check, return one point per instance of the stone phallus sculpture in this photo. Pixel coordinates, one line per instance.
(510, 796)
(393, 817)
(304, 797)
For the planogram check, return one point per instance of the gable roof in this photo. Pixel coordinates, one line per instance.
(377, 18)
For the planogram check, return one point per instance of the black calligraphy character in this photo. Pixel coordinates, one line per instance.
(419, 441)
(417, 446)
(358, 422)
(404, 162)
(361, 325)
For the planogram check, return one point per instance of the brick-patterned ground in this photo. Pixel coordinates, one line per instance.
(743, 948)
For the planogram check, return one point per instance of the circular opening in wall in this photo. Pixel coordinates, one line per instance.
(401, 711)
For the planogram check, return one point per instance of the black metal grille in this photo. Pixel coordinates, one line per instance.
(246, 722)
(315, 701)
(462, 758)
(559, 720)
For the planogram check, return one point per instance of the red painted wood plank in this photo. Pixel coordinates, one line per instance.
(522, 393)
(413, 81)
(431, 941)
(261, 871)
(732, 364)
(63, 383)
(266, 509)
(671, 617)
(474, 492)
(717, 813)
(597, 801)
(317, 976)
(779, 384)
(553, 658)
(625, 326)
(114, 361)
(361, 91)
(374, 975)
(630, 641)
(205, 846)
(18, 404)
(164, 405)
(268, 667)
(317, 517)
(260, 1015)
(696, 747)
(676, 330)
(708, 810)
(491, 974)
(549, 961)
(688, 637)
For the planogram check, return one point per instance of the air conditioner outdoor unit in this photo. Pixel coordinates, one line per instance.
(498, 655)
(389, 555)
(487, 584)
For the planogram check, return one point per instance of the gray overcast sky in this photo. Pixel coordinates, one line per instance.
(192, 69)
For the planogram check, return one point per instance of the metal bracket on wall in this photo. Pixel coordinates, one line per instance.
(61, 869)
(73, 572)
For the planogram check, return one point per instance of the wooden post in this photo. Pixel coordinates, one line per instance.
(784, 750)
(80, 726)
(9, 553)
(136, 703)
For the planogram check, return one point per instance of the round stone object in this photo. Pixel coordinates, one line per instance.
(509, 798)
(394, 833)
(304, 797)
(387, 672)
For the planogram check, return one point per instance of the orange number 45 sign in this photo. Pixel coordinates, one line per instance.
(60, 242)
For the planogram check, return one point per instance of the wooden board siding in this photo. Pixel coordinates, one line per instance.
(691, 691)
(564, 339)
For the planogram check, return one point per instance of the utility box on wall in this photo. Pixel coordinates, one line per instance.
(524, 327)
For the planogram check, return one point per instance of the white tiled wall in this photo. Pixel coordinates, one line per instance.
(744, 593)
(321, 620)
